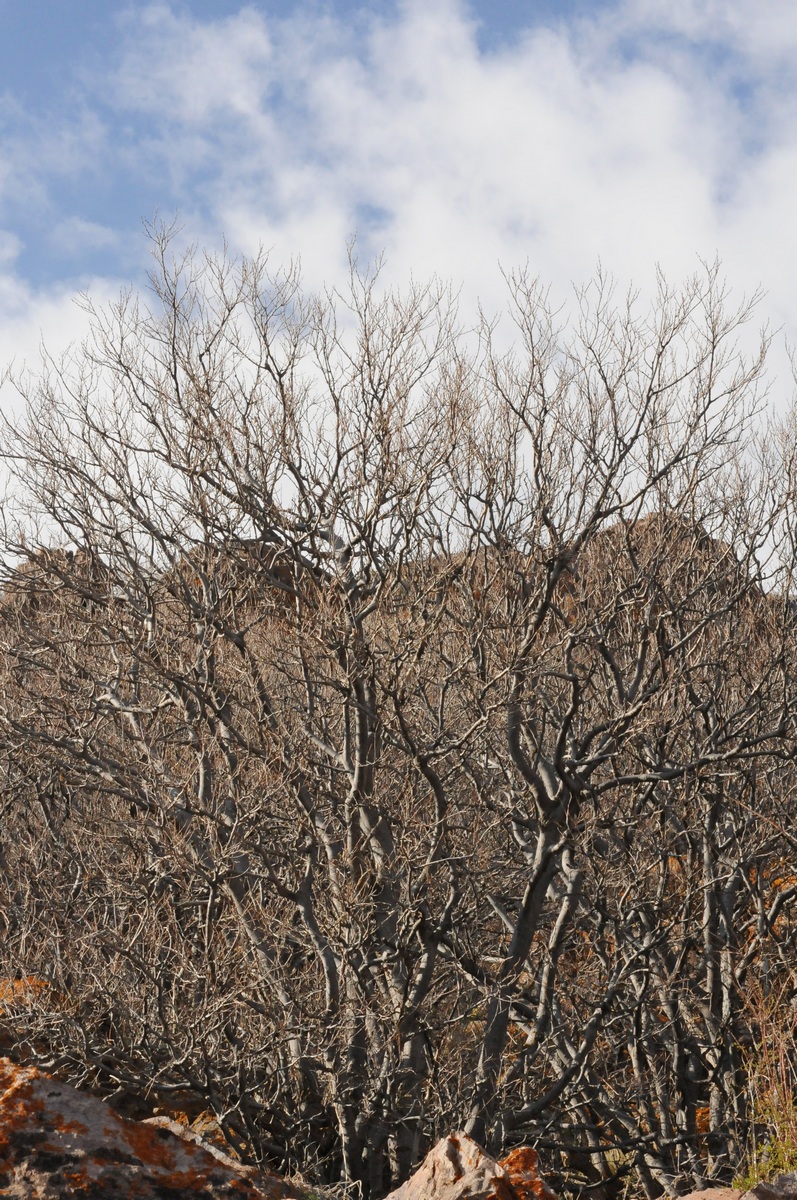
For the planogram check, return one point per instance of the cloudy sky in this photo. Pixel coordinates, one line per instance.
(457, 136)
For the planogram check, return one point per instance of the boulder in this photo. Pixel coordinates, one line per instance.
(57, 1142)
(457, 1169)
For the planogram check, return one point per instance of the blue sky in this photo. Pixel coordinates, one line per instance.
(456, 137)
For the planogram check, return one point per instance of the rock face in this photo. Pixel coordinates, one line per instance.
(457, 1169)
(56, 1142)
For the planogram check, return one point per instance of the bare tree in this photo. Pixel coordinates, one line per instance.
(397, 731)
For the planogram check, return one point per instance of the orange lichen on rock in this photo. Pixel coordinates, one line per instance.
(57, 1142)
(522, 1167)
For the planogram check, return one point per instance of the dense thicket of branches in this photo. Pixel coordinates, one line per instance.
(396, 732)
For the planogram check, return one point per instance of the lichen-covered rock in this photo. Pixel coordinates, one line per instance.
(522, 1167)
(458, 1169)
(57, 1142)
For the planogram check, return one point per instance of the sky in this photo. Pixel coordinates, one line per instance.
(454, 137)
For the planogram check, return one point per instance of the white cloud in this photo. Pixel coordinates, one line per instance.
(51, 319)
(766, 29)
(564, 149)
(182, 71)
(650, 132)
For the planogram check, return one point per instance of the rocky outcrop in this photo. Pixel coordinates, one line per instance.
(57, 1142)
(456, 1169)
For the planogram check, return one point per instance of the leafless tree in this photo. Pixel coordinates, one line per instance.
(396, 730)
